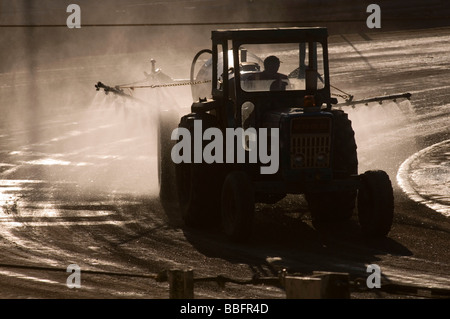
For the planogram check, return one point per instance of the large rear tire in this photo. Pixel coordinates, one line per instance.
(167, 122)
(375, 204)
(198, 184)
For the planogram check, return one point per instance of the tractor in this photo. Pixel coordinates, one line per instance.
(276, 78)
(271, 89)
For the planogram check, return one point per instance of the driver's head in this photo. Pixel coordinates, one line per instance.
(271, 64)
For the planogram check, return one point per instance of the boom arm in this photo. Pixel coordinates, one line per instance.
(378, 99)
(107, 89)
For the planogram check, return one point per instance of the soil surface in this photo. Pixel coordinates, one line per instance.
(78, 183)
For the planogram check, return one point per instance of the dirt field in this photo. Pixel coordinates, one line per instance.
(78, 183)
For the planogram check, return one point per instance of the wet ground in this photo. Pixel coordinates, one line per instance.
(425, 177)
(78, 185)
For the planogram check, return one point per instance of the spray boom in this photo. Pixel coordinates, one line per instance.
(378, 99)
(107, 89)
(156, 78)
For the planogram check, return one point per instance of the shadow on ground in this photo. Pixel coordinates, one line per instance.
(284, 238)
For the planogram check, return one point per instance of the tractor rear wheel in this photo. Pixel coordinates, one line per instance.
(198, 184)
(375, 204)
(238, 206)
(167, 122)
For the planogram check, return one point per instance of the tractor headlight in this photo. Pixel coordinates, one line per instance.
(321, 158)
(299, 160)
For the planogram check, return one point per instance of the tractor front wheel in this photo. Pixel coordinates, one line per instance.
(375, 204)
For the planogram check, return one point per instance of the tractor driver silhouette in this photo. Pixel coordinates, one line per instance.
(271, 66)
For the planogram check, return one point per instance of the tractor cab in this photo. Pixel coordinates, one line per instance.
(286, 69)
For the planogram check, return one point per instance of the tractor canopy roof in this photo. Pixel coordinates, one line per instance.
(272, 35)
